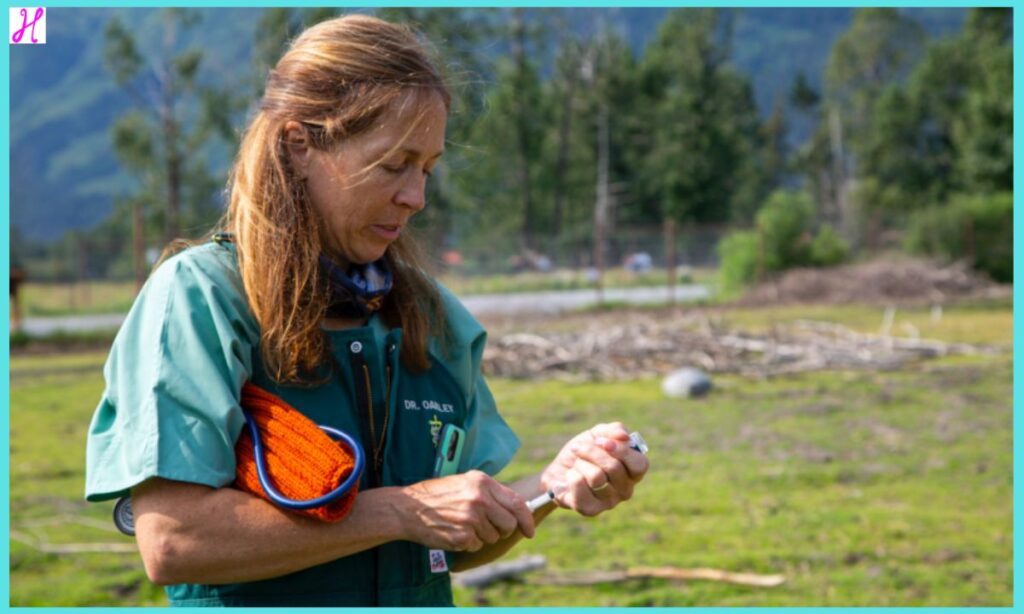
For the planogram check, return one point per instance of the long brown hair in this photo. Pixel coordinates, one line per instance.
(337, 79)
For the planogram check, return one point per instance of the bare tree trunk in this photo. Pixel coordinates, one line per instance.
(670, 258)
(842, 213)
(138, 246)
(969, 251)
(759, 270)
(83, 269)
(172, 230)
(522, 127)
(603, 201)
(169, 127)
(72, 273)
(564, 136)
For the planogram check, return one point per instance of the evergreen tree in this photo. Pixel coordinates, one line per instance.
(162, 139)
(878, 49)
(565, 91)
(875, 52)
(983, 134)
(497, 177)
(704, 131)
(457, 38)
(949, 128)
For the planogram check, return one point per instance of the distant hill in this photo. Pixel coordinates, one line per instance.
(63, 172)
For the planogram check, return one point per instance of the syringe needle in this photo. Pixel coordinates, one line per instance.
(635, 441)
(542, 500)
(539, 502)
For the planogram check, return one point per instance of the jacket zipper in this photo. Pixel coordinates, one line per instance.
(377, 441)
(372, 444)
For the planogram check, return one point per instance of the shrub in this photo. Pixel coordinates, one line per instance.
(781, 240)
(738, 254)
(935, 231)
(828, 248)
(784, 224)
(974, 227)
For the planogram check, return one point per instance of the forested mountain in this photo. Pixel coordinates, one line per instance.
(64, 173)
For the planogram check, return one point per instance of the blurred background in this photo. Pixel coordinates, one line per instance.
(778, 242)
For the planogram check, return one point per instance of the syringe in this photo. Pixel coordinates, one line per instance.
(635, 441)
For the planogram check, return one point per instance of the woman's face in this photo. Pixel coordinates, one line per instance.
(367, 188)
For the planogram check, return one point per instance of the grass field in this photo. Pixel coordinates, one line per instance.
(90, 297)
(861, 488)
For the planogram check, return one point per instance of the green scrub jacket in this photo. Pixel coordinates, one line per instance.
(171, 410)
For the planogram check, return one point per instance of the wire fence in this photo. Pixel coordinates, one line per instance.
(112, 260)
(625, 246)
(102, 276)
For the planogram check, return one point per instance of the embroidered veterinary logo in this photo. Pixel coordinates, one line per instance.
(435, 429)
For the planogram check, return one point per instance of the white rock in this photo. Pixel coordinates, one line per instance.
(686, 382)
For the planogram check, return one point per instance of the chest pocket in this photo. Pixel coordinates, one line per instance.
(423, 403)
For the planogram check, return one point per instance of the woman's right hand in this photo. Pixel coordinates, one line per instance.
(463, 512)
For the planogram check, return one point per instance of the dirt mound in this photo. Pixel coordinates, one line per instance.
(903, 281)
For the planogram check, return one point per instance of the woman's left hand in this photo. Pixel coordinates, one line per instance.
(595, 470)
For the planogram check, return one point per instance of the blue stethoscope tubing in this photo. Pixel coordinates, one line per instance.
(124, 520)
(277, 498)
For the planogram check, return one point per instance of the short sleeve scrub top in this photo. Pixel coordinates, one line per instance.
(171, 410)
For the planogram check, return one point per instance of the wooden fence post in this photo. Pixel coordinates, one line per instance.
(670, 258)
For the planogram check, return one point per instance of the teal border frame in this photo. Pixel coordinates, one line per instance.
(1018, 328)
(1018, 22)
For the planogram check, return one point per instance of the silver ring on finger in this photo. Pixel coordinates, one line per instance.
(600, 488)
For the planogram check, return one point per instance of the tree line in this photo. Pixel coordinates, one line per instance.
(912, 138)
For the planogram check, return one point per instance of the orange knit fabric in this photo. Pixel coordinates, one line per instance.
(302, 460)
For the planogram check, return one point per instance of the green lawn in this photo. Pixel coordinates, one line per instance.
(987, 322)
(89, 297)
(890, 488)
(52, 399)
(862, 489)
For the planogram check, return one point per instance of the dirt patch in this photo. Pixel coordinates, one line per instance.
(891, 281)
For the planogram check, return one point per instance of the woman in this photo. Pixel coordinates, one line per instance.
(314, 293)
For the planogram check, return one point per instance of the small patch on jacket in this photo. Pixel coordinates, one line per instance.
(438, 564)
